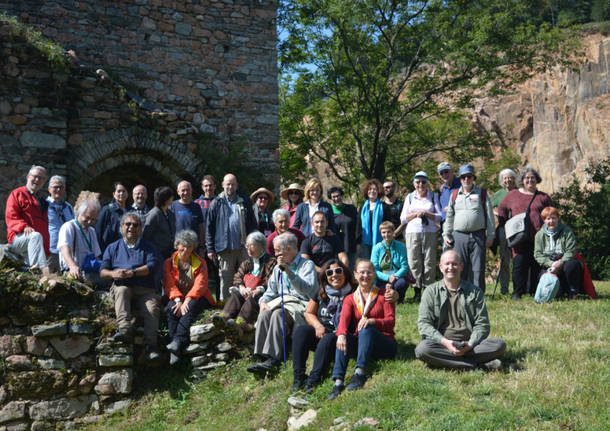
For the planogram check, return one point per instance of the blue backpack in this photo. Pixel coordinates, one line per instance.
(547, 289)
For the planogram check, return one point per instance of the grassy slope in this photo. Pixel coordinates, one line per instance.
(557, 376)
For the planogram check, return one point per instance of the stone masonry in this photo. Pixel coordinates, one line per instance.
(153, 90)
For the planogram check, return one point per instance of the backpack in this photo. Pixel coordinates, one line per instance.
(547, 289)
(434, 195)
(483, 200)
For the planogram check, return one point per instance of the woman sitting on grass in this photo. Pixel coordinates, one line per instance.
(554, 250)
(322, 316)
(249, 282)
(366, 329)
(185, 281)
(390, 260)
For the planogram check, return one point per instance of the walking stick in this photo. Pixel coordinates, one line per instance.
(283, 320)
(498, 276)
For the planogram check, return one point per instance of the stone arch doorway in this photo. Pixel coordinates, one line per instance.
(132, 156)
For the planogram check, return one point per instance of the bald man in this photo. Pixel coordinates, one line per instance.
(140, 194)
(188, 214)
(230, 220)
(454, 324)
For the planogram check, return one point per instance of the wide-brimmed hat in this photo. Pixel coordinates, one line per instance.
(259, 191)
(292, 187)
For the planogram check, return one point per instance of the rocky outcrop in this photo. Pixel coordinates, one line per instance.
(558, 121)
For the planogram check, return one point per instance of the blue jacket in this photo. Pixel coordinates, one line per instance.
(398, 253)
(108, 227)
(217, 223)
(59, 213)
(119, 256)
(303, 222)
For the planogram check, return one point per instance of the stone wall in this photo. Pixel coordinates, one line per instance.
(152, 92)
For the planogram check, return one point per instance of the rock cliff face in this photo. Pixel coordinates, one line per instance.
(560, 121)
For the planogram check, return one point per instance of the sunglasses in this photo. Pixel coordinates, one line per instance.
(294, 192)
(130, 224)
(336, 271)
(444, 172)
(466, 176)
(421, 182)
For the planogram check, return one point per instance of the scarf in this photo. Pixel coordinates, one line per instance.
(551, 235)
(335, 302)
(362, 306)
(370, 234)
(338, 209)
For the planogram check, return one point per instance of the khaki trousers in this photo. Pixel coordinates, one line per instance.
(421, 254)
(228, 262)
(148, 305)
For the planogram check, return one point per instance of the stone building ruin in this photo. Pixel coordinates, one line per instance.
(150, 91)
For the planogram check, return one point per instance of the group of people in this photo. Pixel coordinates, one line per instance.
(325, 275)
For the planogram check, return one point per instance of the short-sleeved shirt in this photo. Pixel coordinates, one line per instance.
(80, 242)
(119, 255)
(322, 249)
(188, 216)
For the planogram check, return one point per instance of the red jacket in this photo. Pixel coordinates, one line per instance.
(171, 275)
(23, 210)
(382, 312)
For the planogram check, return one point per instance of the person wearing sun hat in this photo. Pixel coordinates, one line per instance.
(293, 195)
(262, 199)
(469, 227)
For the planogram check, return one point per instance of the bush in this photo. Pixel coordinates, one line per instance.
(586, 209)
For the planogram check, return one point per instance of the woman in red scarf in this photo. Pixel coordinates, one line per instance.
(372, 318)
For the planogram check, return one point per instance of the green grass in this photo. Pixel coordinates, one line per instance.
(556, 377)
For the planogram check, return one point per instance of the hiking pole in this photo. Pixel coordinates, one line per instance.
(283, 320)
(502, 255)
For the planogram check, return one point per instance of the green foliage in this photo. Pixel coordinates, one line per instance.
(586, 209)
(53, 52)
(373, 88)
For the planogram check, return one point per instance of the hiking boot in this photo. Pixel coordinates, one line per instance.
(151, 353)
(218, 320)
(356, 382)
(417, 295)
(298, 383)
(265, 366)
(337, 389)
(173, 358)
(121, 337)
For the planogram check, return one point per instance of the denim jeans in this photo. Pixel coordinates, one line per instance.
(370, 343)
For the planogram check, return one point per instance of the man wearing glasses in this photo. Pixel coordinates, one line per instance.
(60, 212)
(469, 227)
(395, 204)
(130, 262)
(26, 219)
(450, 183)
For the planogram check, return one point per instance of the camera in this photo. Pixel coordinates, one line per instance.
(459, 345)
(424, 220)
(556, 256)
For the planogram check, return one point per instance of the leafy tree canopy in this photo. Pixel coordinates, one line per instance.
(374, 88)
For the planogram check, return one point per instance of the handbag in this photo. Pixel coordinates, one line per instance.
(547, 289)
(517, 227)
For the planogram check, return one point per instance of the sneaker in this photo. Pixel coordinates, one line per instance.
(173, 358)
(298, 383)
(494, 365)
(337, 389)
(151, 353)
(309, 387)
(270, 364)
(356, 382)
(173, 347)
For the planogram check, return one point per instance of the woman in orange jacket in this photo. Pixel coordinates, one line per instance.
(185, 282)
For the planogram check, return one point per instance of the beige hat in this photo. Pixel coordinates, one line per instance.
(259, 191)
(293, 186)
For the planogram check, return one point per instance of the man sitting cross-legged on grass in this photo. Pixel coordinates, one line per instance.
(453, 322)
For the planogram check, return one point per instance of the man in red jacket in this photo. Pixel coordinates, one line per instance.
(27, 223)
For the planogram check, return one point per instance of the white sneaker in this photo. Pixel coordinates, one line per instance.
(494, 365)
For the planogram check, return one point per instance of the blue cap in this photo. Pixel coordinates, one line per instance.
(421, 174)
(443, 166)
(466, 169)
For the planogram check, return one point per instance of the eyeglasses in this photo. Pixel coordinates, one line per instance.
(336, 271)
(388, 187)
(467, 176)
(294, 192)
(421, 182)
(37, 177)
(130, 224)
(444, 172)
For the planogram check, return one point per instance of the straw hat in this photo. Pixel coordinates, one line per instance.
(259, 191)
(293, 186)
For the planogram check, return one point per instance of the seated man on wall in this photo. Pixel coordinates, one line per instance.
(59, 213)
(78, 247)
(294, 281)
(453, 322)
(27, 223)
(130, 262)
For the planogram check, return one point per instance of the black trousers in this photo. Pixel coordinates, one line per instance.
(570, 277)
(525, 267)
(179, 326)
(304, 340)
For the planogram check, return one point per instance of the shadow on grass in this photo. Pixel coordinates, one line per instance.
(514, 358)
(161, 377)
(406, 351)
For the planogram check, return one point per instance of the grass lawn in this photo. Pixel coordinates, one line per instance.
(556, 377)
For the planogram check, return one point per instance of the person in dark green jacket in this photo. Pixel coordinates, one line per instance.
(554, 250)
(454, 324)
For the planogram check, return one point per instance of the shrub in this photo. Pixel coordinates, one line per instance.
(586, 209)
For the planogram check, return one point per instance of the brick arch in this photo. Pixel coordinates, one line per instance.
(128, 147)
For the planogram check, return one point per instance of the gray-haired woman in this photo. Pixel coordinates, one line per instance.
(517, 201)
(185, 282)
(250, 281)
